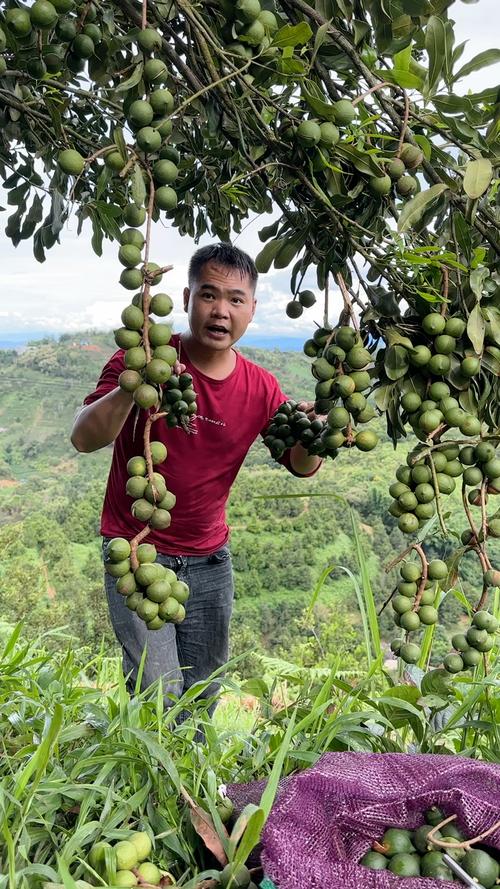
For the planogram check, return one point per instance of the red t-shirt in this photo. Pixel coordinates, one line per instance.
(200, 468)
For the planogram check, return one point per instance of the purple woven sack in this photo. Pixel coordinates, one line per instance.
(327, 817)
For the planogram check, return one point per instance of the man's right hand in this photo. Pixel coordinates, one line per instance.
(99, 423)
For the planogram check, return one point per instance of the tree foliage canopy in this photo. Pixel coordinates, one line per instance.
(242, 87)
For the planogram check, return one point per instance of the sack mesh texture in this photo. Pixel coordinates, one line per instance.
(325, 818)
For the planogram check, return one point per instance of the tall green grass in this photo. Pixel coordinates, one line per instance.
(81, 760)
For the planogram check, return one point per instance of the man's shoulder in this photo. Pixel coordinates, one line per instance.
(115, 363)
(258, 374)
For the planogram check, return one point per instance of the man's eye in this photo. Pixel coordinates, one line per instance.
(236, 299)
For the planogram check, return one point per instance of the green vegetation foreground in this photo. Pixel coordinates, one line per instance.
(84, 763)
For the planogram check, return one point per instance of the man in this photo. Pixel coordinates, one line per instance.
(235, 400)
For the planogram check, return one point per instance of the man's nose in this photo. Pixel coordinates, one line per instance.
(220, 309)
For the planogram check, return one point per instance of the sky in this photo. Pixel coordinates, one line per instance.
(75, 290)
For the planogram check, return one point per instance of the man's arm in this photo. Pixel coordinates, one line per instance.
(99, 423)
(303, 463)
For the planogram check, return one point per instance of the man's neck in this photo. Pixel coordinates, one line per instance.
(215, 363)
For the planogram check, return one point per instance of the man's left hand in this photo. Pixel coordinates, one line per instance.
(308, 408)
(178, 368)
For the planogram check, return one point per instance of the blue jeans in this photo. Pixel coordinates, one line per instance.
(182, 654)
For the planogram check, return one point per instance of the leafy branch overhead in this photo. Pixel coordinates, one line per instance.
(302, 105)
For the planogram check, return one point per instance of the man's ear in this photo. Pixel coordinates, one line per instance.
(185, 294)
(254, 307)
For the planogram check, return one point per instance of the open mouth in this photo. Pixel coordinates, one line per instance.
(217, 330)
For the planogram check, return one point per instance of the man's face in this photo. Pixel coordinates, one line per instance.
(220, 306)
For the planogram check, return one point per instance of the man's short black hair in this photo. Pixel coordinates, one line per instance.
(226, 255)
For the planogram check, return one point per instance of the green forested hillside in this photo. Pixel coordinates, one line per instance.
(50, 499)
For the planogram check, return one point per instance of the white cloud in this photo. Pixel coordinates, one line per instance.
(74, 289)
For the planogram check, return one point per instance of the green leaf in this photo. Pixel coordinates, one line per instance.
(452, 104)
(335, 182)
(96, 240)
(38, 251)
(37, 764)
(478, 175)
(435, 45)
(396, 362)
(462, 234)
(17, 195)
(476, 280)
(425, 145)
(399, 705)
(314, 98)
(288, 251)
(491, 361)
(402, 696)
(85, 832)
(107, 220)
(383, 396)
(361, 29)
(402, 59)
(476, 327)
(292, 35)
(138, 187)
(271, 788)
(482, 60)
(119, 140)
(68, 881)
(433, 702)
(264, 259)
(158, 753)
(103, 181)
(458, 52)
(488, 96)
(464, 131)
(448, 46)
(290, 67)
(131, 81)
(460, 597)
(319, 39)
(363, 161)
(250, 837)
(269, 231)
(468, 401)
(416, 7)
(365, 595)
(402, 27)
(403, 78)
(413, 211)
(395, 338)
(436, 682)
(256, 687)
(493, 316)
(11, 642)
(57, 213)
(33, 217)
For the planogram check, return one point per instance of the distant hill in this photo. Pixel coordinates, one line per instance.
(20, 339)
(57, 373)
